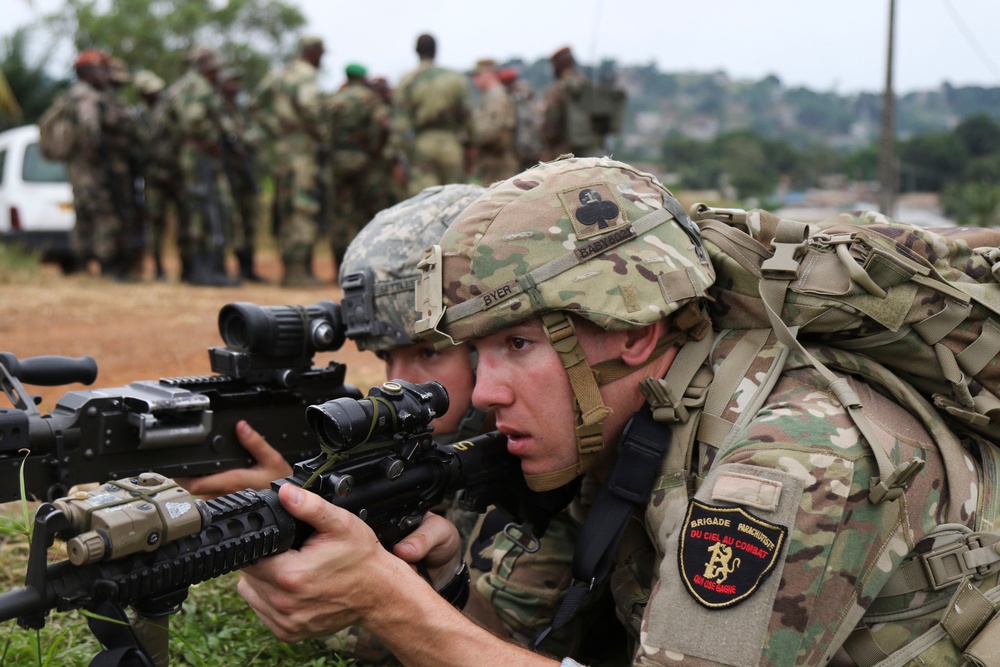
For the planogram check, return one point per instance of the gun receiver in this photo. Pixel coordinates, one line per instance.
(118, 534)
(182, 426)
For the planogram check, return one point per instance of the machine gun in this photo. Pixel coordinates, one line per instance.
(183, 426)
(142, 542)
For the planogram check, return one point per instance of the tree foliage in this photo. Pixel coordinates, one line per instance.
(157, 34)
(32, 87)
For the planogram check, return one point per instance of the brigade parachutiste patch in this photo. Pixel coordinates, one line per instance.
(726, 553)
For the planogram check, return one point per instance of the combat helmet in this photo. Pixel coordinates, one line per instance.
(592, 237)
(380, 265)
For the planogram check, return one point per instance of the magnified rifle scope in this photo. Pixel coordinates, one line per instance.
(281, 331)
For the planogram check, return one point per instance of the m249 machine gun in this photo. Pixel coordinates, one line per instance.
(182, 426)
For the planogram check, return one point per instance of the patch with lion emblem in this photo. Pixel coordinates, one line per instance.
(726, 553)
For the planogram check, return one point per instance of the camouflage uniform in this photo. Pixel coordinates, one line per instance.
(240, 167)
(494, 121)
(123, 123)
(379, 269)
(201, 126)
(555, 141)
(358, 122)
(432, 125)
(289, 108)
(760, 544)
(160, 167)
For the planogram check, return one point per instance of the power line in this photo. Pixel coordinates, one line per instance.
(971, 40)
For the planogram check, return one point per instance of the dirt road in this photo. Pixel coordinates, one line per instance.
(144, 331)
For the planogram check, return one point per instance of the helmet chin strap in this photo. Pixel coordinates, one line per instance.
(588, 404)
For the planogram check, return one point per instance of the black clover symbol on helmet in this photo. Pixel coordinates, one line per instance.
(595, 211)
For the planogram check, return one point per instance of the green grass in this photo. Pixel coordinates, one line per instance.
(215, 627)
(18, 264)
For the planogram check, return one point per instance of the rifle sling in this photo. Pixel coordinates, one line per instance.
(627, 487)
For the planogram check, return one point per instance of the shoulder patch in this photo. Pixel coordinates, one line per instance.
(726, 553)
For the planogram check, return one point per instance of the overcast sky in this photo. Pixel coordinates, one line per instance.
(827, 45)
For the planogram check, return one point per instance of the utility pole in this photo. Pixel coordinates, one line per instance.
(887, 176)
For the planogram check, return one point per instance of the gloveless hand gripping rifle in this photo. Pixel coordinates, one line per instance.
(143, 541)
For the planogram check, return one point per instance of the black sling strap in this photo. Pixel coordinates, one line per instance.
(627, 487)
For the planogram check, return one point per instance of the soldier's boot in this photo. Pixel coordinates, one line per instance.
(202, 269)
(245, 258)
(298, 269)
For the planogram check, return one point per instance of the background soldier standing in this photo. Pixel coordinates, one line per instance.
(383, 188)
(240, 167)
(122, 166)
(196, 108)
(160, 167)
(77, 135)
(289, 108)
(556, 139)
(494, 121)
(433, 122)
(527, 137)
(358, 120)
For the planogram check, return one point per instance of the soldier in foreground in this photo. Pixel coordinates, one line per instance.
(432, 129)
(583, 294)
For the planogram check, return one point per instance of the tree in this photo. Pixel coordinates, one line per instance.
(157, 34)
(936, 159)
(980, 134)
(30, 85)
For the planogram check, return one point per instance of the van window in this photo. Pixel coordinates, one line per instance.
(37, 169)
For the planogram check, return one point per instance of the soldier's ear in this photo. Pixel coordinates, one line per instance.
(640, 343)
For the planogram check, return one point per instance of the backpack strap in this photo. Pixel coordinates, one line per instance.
(627, 488)
(777, 273)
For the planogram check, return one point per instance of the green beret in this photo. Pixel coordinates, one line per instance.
(356, 70)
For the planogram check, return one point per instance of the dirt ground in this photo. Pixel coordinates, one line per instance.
(148, 330)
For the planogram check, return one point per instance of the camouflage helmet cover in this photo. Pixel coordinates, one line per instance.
(589, 236)
(380, 265)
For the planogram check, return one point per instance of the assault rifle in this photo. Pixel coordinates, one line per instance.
(142, 542)
(183, 426)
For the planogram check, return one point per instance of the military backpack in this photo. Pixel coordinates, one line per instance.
(57, 133)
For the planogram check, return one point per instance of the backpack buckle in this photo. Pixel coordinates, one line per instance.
(784, 263)
(973, 556)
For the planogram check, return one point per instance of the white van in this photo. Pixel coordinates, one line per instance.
(36, 201)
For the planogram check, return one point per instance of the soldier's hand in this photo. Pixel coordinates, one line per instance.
(271, 465)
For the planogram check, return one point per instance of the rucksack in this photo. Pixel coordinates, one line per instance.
(924, 303)
(594, 110)
(914, 312)
(57, 130)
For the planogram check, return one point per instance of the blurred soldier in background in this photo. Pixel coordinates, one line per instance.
(383, 188)
(201, 127)
(122, 163)
(358, 121)
(289, 107)
(239, 162)
(556, 137)
(160, 165)
(527, 129)
(432, 125)
(494, 121)
(74, 130)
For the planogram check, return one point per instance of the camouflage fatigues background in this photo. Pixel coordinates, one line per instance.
(555, 139)
(164, 181)
(289, 109)
(97, 232)
(494, 121)
(432, 124)
(240, 168)
(359, 121)
(201, 126)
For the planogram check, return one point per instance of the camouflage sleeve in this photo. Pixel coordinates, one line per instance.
(310, 102)
(493, 121)
(778, 554)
